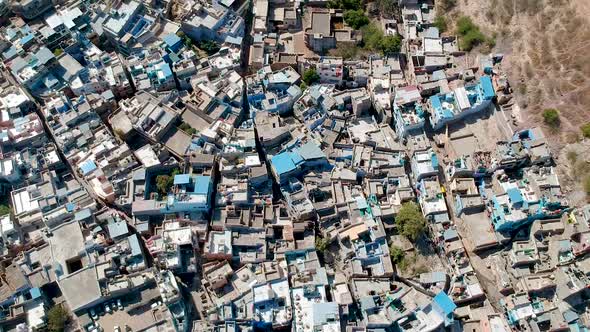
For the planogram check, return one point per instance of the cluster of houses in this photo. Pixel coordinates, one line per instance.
(164, 166)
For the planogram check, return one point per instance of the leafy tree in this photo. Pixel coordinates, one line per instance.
(551, 117)
(57, 317)
(58, 52)
(586, 130)
(4, 210)
(187, 128)
(345, 4)
(209, 46)
(372, 36)
(321, 244)
(188, 42)
(410, 221)
(375, 41)
(356, 18)
(397, 254)
(441, 23)
(470, 35)
(310, 76)
(387, 8)
(164, 181)
(391, 44)
(303, 86)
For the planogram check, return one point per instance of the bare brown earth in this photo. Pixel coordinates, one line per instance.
(546, 47)
(547, 56)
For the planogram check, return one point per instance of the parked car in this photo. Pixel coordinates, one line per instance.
(117, 328)
(107, 308)
(119, 304)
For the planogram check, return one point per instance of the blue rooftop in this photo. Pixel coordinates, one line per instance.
(283, 163)
(488, 88)
(182, 179)
(87, 167)
(202, 184)
(444, 302)
(310, 151)
(35, 293)
(171, 39)
(134, 244)
(117, 229)
(515, 196)
(84, 214)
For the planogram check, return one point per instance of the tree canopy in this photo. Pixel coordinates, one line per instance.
(321, 244)
(164, 182)
(397, 254)
(355, 18)
(57, 317)
(376, 41)
(469, 33)
(346, 4)
(310, 76)
(410, 221)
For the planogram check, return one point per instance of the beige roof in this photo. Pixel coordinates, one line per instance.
(320, 23)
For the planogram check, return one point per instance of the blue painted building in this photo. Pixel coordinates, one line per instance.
(516, 208)
(451, 107)
(292, 163)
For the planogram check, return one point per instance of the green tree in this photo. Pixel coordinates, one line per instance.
(441, 23)
(303, 86)
(321, 244)
(164, 182)
(551, 117)
(310, 76)
(469, 33)
(209, 46)
(57, 317)
(356, 18)
(397, 254)
(58, 52)
(410, 221)
(345, 4)
(187, 128)
(586, 130)
(372, 36)
(391, 44)
(4, 210)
